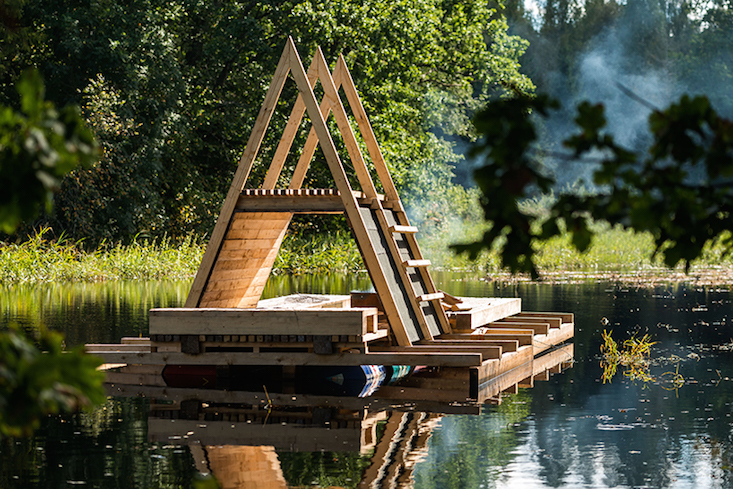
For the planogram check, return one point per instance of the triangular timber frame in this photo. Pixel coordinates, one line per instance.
(252, 223)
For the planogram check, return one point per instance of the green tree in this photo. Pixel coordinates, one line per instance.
(185, 81)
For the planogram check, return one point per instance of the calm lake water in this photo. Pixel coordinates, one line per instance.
(570, 431)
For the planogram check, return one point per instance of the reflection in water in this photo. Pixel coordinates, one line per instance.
(571, 431)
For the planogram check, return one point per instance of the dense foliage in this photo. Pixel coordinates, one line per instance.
(39, 380)
(172, 89)
(38, 146)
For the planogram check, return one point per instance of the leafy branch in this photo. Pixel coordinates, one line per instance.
(678, 190)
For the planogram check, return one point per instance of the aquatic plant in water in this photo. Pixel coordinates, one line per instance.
(633, 355)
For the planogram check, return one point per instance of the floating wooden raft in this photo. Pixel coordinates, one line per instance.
(406, 321)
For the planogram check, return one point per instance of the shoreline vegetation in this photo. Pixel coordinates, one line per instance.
(616, 255)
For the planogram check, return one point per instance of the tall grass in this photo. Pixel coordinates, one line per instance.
(613, 251)
(337, 252)
(42, 260)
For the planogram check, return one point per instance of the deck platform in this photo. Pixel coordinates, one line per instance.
(315, 330)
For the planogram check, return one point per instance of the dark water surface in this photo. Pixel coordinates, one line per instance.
(571, 431)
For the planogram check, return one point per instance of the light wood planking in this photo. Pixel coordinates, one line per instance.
(484, 311)
(241, 175)
(200, 321)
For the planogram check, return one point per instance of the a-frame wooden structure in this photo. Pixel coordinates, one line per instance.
(253, 222)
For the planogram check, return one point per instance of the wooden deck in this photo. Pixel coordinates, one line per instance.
(312, 330)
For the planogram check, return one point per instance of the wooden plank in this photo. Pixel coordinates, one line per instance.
(221, 295)
(538, 328)
(451, 299)
(331, 204)
(522, 339)
(430, 359)
(259, 321)
(259, 220)
(505, 344)
(486, 351)
(554, 322)
(254, 253)
(231, 271)
(233, 284)
(241, 175)
(430, 297)
(567, 317)
(484, 311)
(115, 347)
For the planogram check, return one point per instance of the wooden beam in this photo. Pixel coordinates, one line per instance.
(486, 351)
(241, 175)
(430, 297)
(430, 359)
(554, 322)
(352, 209)
(216, 321)
(291, 129)
(538, 328)
(294, 204)
(484, 311)
(567, 317)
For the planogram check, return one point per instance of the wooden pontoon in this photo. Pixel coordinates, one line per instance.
(406, 321)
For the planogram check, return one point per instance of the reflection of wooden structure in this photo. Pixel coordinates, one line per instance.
(236, 435)
(407, 321)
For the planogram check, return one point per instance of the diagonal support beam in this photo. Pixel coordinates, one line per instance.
(241, 175)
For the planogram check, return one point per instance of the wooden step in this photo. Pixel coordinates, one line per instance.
(416, 263)
(430, 297)
(403, 229)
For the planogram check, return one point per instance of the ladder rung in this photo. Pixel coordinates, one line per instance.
(430, 297)
(416, 263)
(403, 229)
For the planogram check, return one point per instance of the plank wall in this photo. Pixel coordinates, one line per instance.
(245, 259)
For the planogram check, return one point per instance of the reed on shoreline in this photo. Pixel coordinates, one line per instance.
(616, 255)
